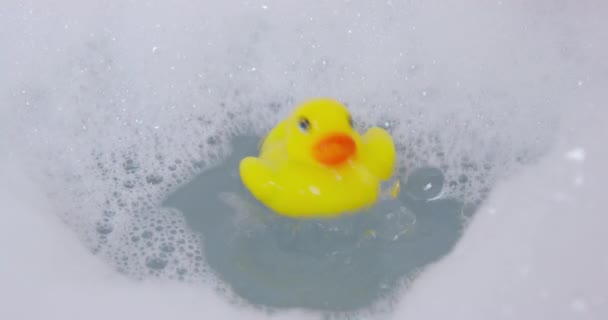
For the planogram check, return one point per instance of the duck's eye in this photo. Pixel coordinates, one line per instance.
(304, 124)
(350, 121)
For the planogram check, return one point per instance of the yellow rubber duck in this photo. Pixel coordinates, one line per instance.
(314, 164)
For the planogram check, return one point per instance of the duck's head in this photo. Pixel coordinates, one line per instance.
(321, 131)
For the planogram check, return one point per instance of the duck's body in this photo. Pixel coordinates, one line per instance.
(323, 171)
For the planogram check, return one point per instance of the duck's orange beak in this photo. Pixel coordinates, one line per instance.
(334, 149)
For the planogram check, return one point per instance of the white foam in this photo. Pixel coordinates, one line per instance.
(529, 254)
(109, 106)
(576, 155)
(48, 274)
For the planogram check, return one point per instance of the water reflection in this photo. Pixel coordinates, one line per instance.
(338, 265)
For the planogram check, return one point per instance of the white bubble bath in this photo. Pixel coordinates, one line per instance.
(113, 115)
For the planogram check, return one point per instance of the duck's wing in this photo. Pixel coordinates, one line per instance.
(257, 177)
(378, 152)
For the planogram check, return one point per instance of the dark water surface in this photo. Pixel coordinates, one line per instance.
(337, 265)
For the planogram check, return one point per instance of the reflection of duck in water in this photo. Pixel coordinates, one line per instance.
(315, 164)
